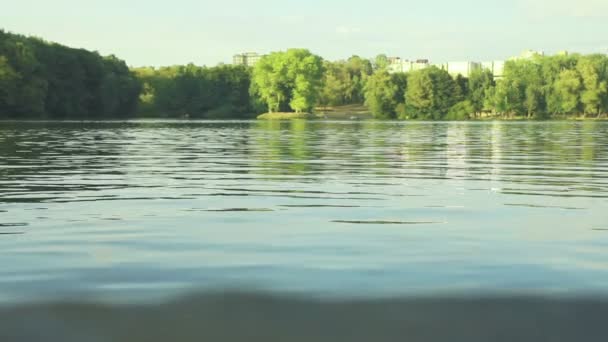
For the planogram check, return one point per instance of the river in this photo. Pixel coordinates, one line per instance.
(132, 210)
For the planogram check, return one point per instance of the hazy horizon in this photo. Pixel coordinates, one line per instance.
(185, 31)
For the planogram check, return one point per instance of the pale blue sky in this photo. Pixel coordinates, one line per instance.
(210, 32)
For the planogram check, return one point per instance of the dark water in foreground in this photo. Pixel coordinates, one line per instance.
(129, 210)
(232, 317)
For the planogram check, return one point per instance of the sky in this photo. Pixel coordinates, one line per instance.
(156, 33)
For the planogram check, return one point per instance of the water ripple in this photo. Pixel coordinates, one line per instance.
(303, 205)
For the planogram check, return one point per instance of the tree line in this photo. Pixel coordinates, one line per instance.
(47, 80)
(191, 91)
(41, 80)
(540, 87)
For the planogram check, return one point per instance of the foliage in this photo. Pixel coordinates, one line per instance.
(430, 94)
(344, 81)
(45, 80)
(556, 85)
(593, 70)
(290, 80)
(383, 93)
(480, 89)
(567, 92)
(381, 62)
(460, 111)
(195, 92)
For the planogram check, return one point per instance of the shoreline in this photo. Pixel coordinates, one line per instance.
(316, 118)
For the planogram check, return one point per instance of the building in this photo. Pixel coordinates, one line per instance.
(496, 67)
(464, 69)
(401, 65)
(248, 58)
(460, 68)
(393, 60)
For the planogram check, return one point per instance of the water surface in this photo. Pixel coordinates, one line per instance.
(136, 209)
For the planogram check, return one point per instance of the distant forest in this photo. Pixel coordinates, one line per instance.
(42, 80)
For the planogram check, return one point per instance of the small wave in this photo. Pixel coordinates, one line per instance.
(542, 206)
(385, 222)
(235, 209)
(19, 224)
(319, 206)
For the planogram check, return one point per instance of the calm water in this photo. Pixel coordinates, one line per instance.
(136, 209)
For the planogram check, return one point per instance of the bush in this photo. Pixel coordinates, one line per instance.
(460, 111)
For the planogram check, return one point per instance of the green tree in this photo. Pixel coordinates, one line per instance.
(521, 91)
(480, 85)
(288, 80)
(594, 74)
(460, 111)
(430, 94)
(198, 92)
(359, 70)
(8, 84)
(336, 89)
(567, 89)
(381, 62)
(46, 80)
(270, 79)
(551, 69)
(381, 95)
(344, 81)
(305, 70)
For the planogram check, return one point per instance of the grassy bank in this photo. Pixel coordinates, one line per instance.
(287, 116)
(346, 112)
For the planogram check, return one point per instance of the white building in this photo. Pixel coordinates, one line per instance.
(405, 66)
(464, 69)
(496, 67)
(248, 59)
(461, 68)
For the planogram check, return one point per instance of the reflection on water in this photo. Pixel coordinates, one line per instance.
(369, 208)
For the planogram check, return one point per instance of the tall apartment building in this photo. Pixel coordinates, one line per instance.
(401, 65)
(496, 67)
(248, 58)
(393, 60)
(462, 68)
(453, 68)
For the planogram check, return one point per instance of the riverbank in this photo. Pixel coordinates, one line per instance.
(286, 116)
(525, 118)
(346, 112)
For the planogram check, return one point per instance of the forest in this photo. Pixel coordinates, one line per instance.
(191, 91)
(42, 80)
